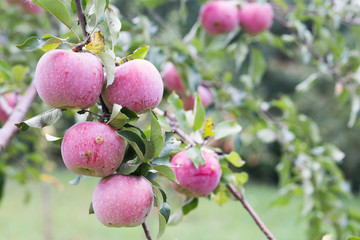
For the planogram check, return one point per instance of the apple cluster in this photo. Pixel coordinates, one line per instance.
(219, 17)
(66, 80)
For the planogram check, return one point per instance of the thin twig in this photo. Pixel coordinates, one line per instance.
(18, 114)
(147, 232)
(250, 210)
(81, 17)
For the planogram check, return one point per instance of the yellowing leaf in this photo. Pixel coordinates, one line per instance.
(97, 44)
(208, 128)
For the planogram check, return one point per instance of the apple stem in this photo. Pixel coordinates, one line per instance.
(252, 212)
(18, 114)
(146, 230)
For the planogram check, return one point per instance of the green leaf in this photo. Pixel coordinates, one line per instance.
(139, 53)
(174, 100)
(234, 159)
(47, 43)
(307, 83)
(151, 3)
(2, 184)
(257, 66)
(109, 64)
(171, 144)
(5, 70)
(114, 25)
(199, 112)
(126, 168)
(99, 7)
(42, 120)
(156, 138)
(142, 170)
(31, 44)
(83, 4)
(166, 171)
(194, 153)
(121, 116)
(225, 129)
(56, 8)
(135, 140)
(353, 238)
(53, 139)
(241, 178)
(165, 211)
(158, 196)
(188, 207)
(162, 226)
(91, 209)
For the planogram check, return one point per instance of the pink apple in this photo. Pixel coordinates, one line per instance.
(196, 182)
(7, 104)
(205, 97)
(137, 85)
(219, 17)
(256, 17)
(31, 8)
(122, 201)
(66, 79)
(93, 149)
(171, 78)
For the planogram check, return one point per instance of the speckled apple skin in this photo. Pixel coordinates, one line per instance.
(122, 201)
(196, 182)
(171, 78)
(92, 149)
(31, 8)
(11, 101)
(66, 79)
(218, 17)
(256, 17)
(205, 97)
(137, 85)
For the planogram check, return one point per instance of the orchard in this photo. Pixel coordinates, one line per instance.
(159, 119)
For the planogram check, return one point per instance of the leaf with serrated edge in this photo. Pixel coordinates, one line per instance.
(166, 171)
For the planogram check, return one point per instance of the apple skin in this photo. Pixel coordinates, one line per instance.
(196, 182)
(256, 17)
(205, 97)
(218, 17)
(172, 80)
(31, 8)
(122, 201)
(66, 79)
(11, 99)
(137, 86)
(92, 149)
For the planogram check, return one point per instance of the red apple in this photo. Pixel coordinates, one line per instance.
(7, 104)
(137, 85)
(93, 149)
(122, 201)
(219, 17)
(205, 97)
(31, 8)
(196, 182)
(171, 78)
(66, 79)
(256, 17)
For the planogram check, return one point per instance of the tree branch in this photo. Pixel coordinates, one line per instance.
(250, 210)
(18, 114)
(81, 17)
(174, 126)
(147, 232)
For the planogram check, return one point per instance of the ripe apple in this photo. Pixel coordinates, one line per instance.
(196, 182)
(122, 201)
(205, 97)
(93, 149)
(218, 17)
(172, 80)
(137, 85)
(7, 104)
(30, 7)
(66, 79)
(256, 17)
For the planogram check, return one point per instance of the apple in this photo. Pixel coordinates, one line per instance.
(122, 201)
(205, 97)
(137, 86)
(92, 149)
(256, 17)
(171, 78)
(31, 8)
(7, 104)
(218, 17)
(196, 182)
(66, 79)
